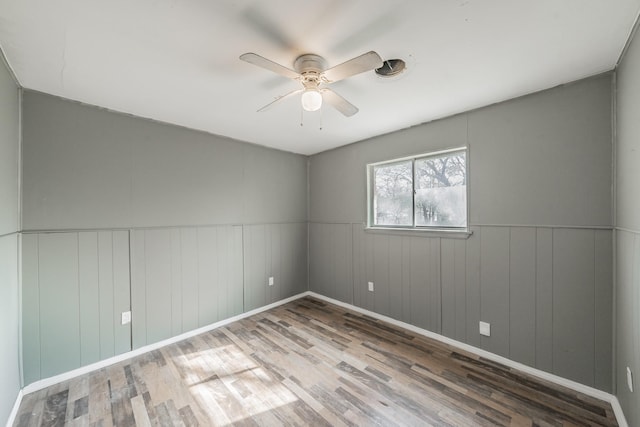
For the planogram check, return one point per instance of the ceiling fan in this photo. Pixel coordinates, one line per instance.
(312, 72)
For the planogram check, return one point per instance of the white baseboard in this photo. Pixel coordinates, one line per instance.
(47, 382)
(589, 391)
(14, 410)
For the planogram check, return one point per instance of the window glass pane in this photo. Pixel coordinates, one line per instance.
(392, 194)
(441, 190)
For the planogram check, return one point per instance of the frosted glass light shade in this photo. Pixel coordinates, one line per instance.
(311, 100)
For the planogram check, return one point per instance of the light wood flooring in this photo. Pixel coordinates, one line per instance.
(309, 363)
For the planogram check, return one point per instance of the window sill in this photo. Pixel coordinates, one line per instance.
(442, 233)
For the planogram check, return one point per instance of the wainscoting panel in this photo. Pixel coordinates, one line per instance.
(547, 292)
(278, 251)
(75, 285)
(405, 271)
(544, 299)
(573, 293)
(184, 278)
(522, 291)
(331, 246)
(628, 319)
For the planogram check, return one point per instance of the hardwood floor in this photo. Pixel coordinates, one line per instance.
(309, 363)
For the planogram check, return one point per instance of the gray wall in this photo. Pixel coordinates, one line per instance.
(9, 225)
(188, 224)
(538, 266)
(84, 167)
(627, 320)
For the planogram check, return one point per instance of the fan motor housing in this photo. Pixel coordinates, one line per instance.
(309, 63)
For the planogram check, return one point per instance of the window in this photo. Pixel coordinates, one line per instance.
(423, 192)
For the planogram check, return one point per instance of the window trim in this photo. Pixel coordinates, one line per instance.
(450, 231)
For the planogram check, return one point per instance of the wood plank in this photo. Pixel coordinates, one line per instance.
(207, 275)
(59, 303)
(603, 309)
(157, 264)
(30, 309)
(472, 305)
(494, 285)
(189, 278)
(138, 289)
(106, 294)
(89, 297)
(121, 290)
(573, 290)
(544, 299)
(522, 295)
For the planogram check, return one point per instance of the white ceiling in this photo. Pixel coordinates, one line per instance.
(177, 61)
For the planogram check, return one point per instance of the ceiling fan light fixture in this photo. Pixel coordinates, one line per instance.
(311, 100)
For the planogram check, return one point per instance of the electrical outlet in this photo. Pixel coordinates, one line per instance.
(271, 281)
(370, 284)
(485, 329)
(630, 379)
(126, 317)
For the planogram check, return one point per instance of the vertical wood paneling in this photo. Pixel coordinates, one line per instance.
(81, 287)
(121, 290)
(419, 273)
(381, 274)
(368, 249)
(603, 309)
(193, 277)
(89, 297)
(189, 278)
(573, 304)
(157, 265)
(342, 255)
(255, 272)
(207, 276)
(176, 281)
(30, 309)
(358, 279)
(434, 305)
(224, 270)
(460, 280)
(544, 299)
(316, 258)
(522, 295)
(406, 279)
(138, 289)
(275, 250)
(447, 259)
(494, 285)
(395, 277)
(59, 303)
(237, 273)
(106, 296)
(473, 286)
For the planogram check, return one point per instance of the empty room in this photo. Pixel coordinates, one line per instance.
(331, 213)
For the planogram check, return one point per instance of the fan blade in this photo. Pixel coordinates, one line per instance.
(263, 62)
(365, 62)
(280, 98)
(338, 102)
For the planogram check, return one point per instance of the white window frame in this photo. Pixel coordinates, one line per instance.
(422, 228)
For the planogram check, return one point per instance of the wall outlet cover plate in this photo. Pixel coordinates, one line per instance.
(485, 329)
(126, 317)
